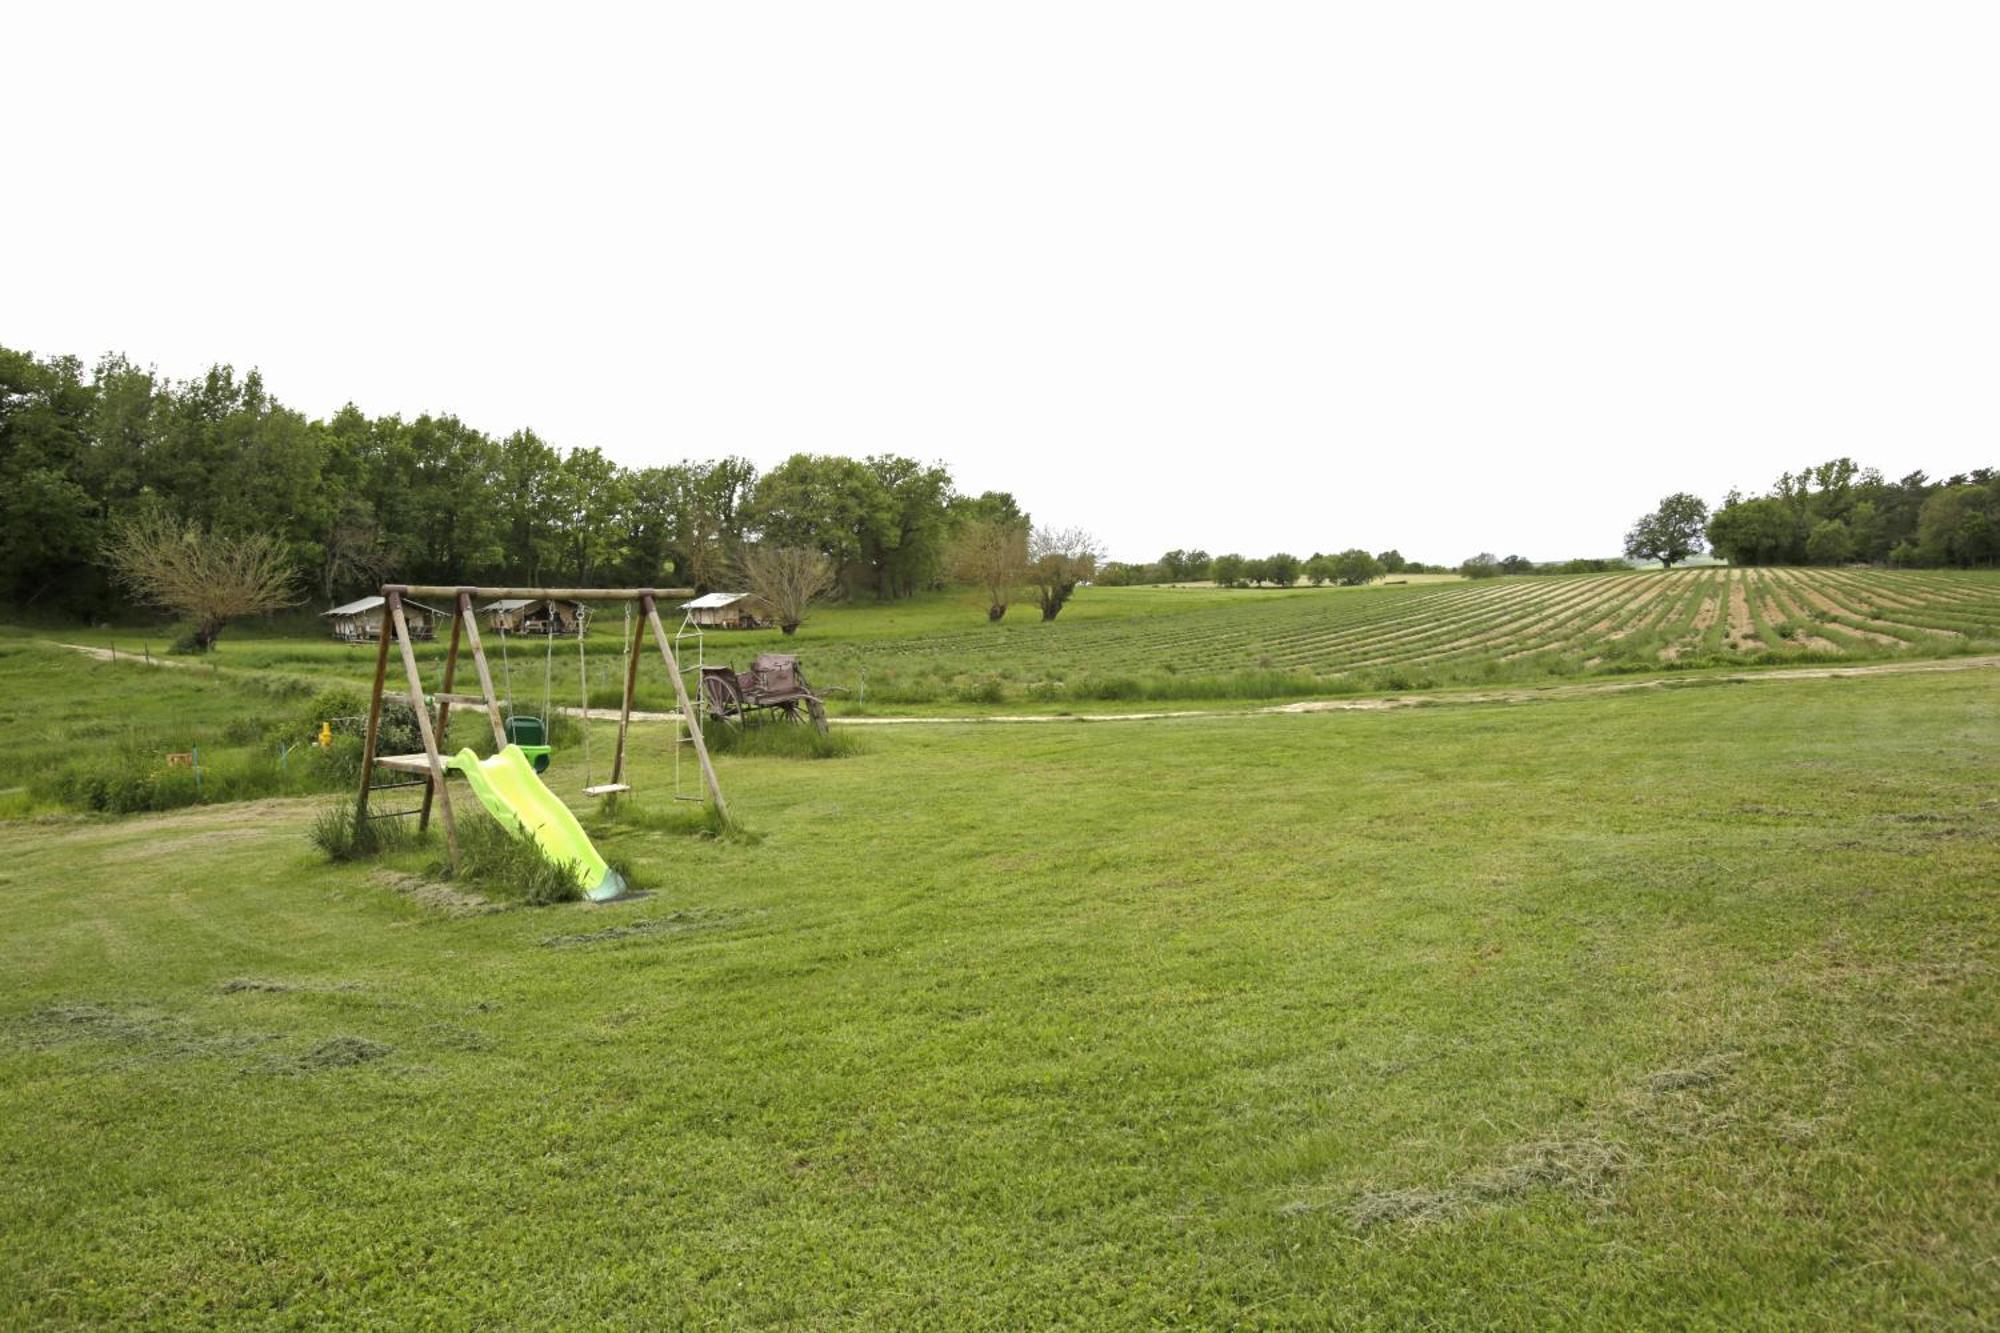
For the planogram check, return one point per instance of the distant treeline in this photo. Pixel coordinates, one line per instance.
(1840, 512)
(357, 499)
(1351, 567)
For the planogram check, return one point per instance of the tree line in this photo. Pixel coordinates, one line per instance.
(1349, 568)
(352, 499)
(1834, 513)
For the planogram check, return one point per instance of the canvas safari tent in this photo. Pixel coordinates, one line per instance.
(360, 622)
(724, 610)
(535, 615)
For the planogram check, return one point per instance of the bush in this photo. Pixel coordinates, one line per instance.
(345, 709)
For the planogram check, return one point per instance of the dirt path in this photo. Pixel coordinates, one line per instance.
(1380, 704)
(113, 655)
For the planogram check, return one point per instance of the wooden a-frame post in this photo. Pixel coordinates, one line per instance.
(436, 760)
(465, 613)
(689, 717)
(374, 733)
(443, 717)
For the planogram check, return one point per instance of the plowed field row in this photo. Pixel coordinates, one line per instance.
(1503, 628)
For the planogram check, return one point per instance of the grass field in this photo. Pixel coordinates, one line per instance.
(1669, 1008)
(1204, 643)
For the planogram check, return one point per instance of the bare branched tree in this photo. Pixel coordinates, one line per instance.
(992, 553)
(207, 577)
(787, 580)
(1059, 559)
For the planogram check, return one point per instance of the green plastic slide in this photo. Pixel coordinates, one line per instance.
(507, 786)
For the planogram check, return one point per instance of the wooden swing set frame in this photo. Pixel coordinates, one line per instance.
(430, 763)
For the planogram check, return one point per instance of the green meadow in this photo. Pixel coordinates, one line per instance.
(1668, 1008)
(1203, 645)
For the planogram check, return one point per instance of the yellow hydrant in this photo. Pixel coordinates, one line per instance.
(325, 737)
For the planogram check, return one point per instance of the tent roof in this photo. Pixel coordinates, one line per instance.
(713, 600)
(373, 604)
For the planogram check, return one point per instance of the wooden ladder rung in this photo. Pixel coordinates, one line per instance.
(446, 696)
(405, 763)
(607, 789)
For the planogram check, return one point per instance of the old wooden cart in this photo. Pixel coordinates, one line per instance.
(773, 682)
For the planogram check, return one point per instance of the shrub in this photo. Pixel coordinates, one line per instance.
(344, 708)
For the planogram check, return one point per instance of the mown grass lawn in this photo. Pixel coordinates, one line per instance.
(1666, 1009)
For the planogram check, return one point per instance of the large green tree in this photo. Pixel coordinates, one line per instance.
(834, 505)
(1671, 533)
(1355, 566)
(1758, 532)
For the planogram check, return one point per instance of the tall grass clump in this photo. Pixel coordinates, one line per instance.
(339, 836)
(508, 866)
(134, 781)
(780, 740)
(678, 819)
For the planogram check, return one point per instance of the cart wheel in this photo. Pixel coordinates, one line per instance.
(791, 714)
(724, 699)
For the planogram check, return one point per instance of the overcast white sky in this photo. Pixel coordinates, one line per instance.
(1252, 277)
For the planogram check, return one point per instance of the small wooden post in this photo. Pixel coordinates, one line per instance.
(466, 614)
(625, 705)
(688, 716)
(374, 732)
(424, 724)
